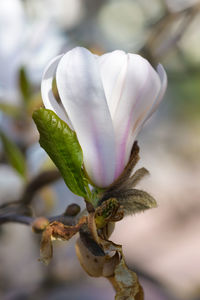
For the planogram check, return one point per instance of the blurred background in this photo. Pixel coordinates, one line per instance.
(163, 244)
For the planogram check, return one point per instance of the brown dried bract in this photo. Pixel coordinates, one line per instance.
(92, 264)
(111, 266)
(126, 283)
(46, 250)
(57, 230)
(65, 232)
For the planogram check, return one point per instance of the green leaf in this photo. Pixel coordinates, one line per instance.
(24, 84)
(14, 155)
(61, 144)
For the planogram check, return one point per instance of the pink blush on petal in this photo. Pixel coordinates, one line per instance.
(122, 151)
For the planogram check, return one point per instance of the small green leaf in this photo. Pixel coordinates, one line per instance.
(61, 144)
(24, 84)
(14, 155)
(106, 211)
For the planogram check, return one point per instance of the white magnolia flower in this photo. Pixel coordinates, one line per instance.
(106, 100)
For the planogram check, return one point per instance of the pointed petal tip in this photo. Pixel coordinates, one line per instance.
(77, 49)
(162, 73)
(163, 78)
(48, 98)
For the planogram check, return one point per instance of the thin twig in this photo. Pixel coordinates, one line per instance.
(16, 211)
(33, 187)
(171, 43)
(27, 220)
(37, 183)
(152, 49)
(7, 218)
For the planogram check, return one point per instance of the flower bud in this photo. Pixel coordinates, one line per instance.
(106, 100)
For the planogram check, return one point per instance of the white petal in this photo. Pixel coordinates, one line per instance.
(141, 88)
(81, 91)
(46, 89)
(113, 67)
(163, 78)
